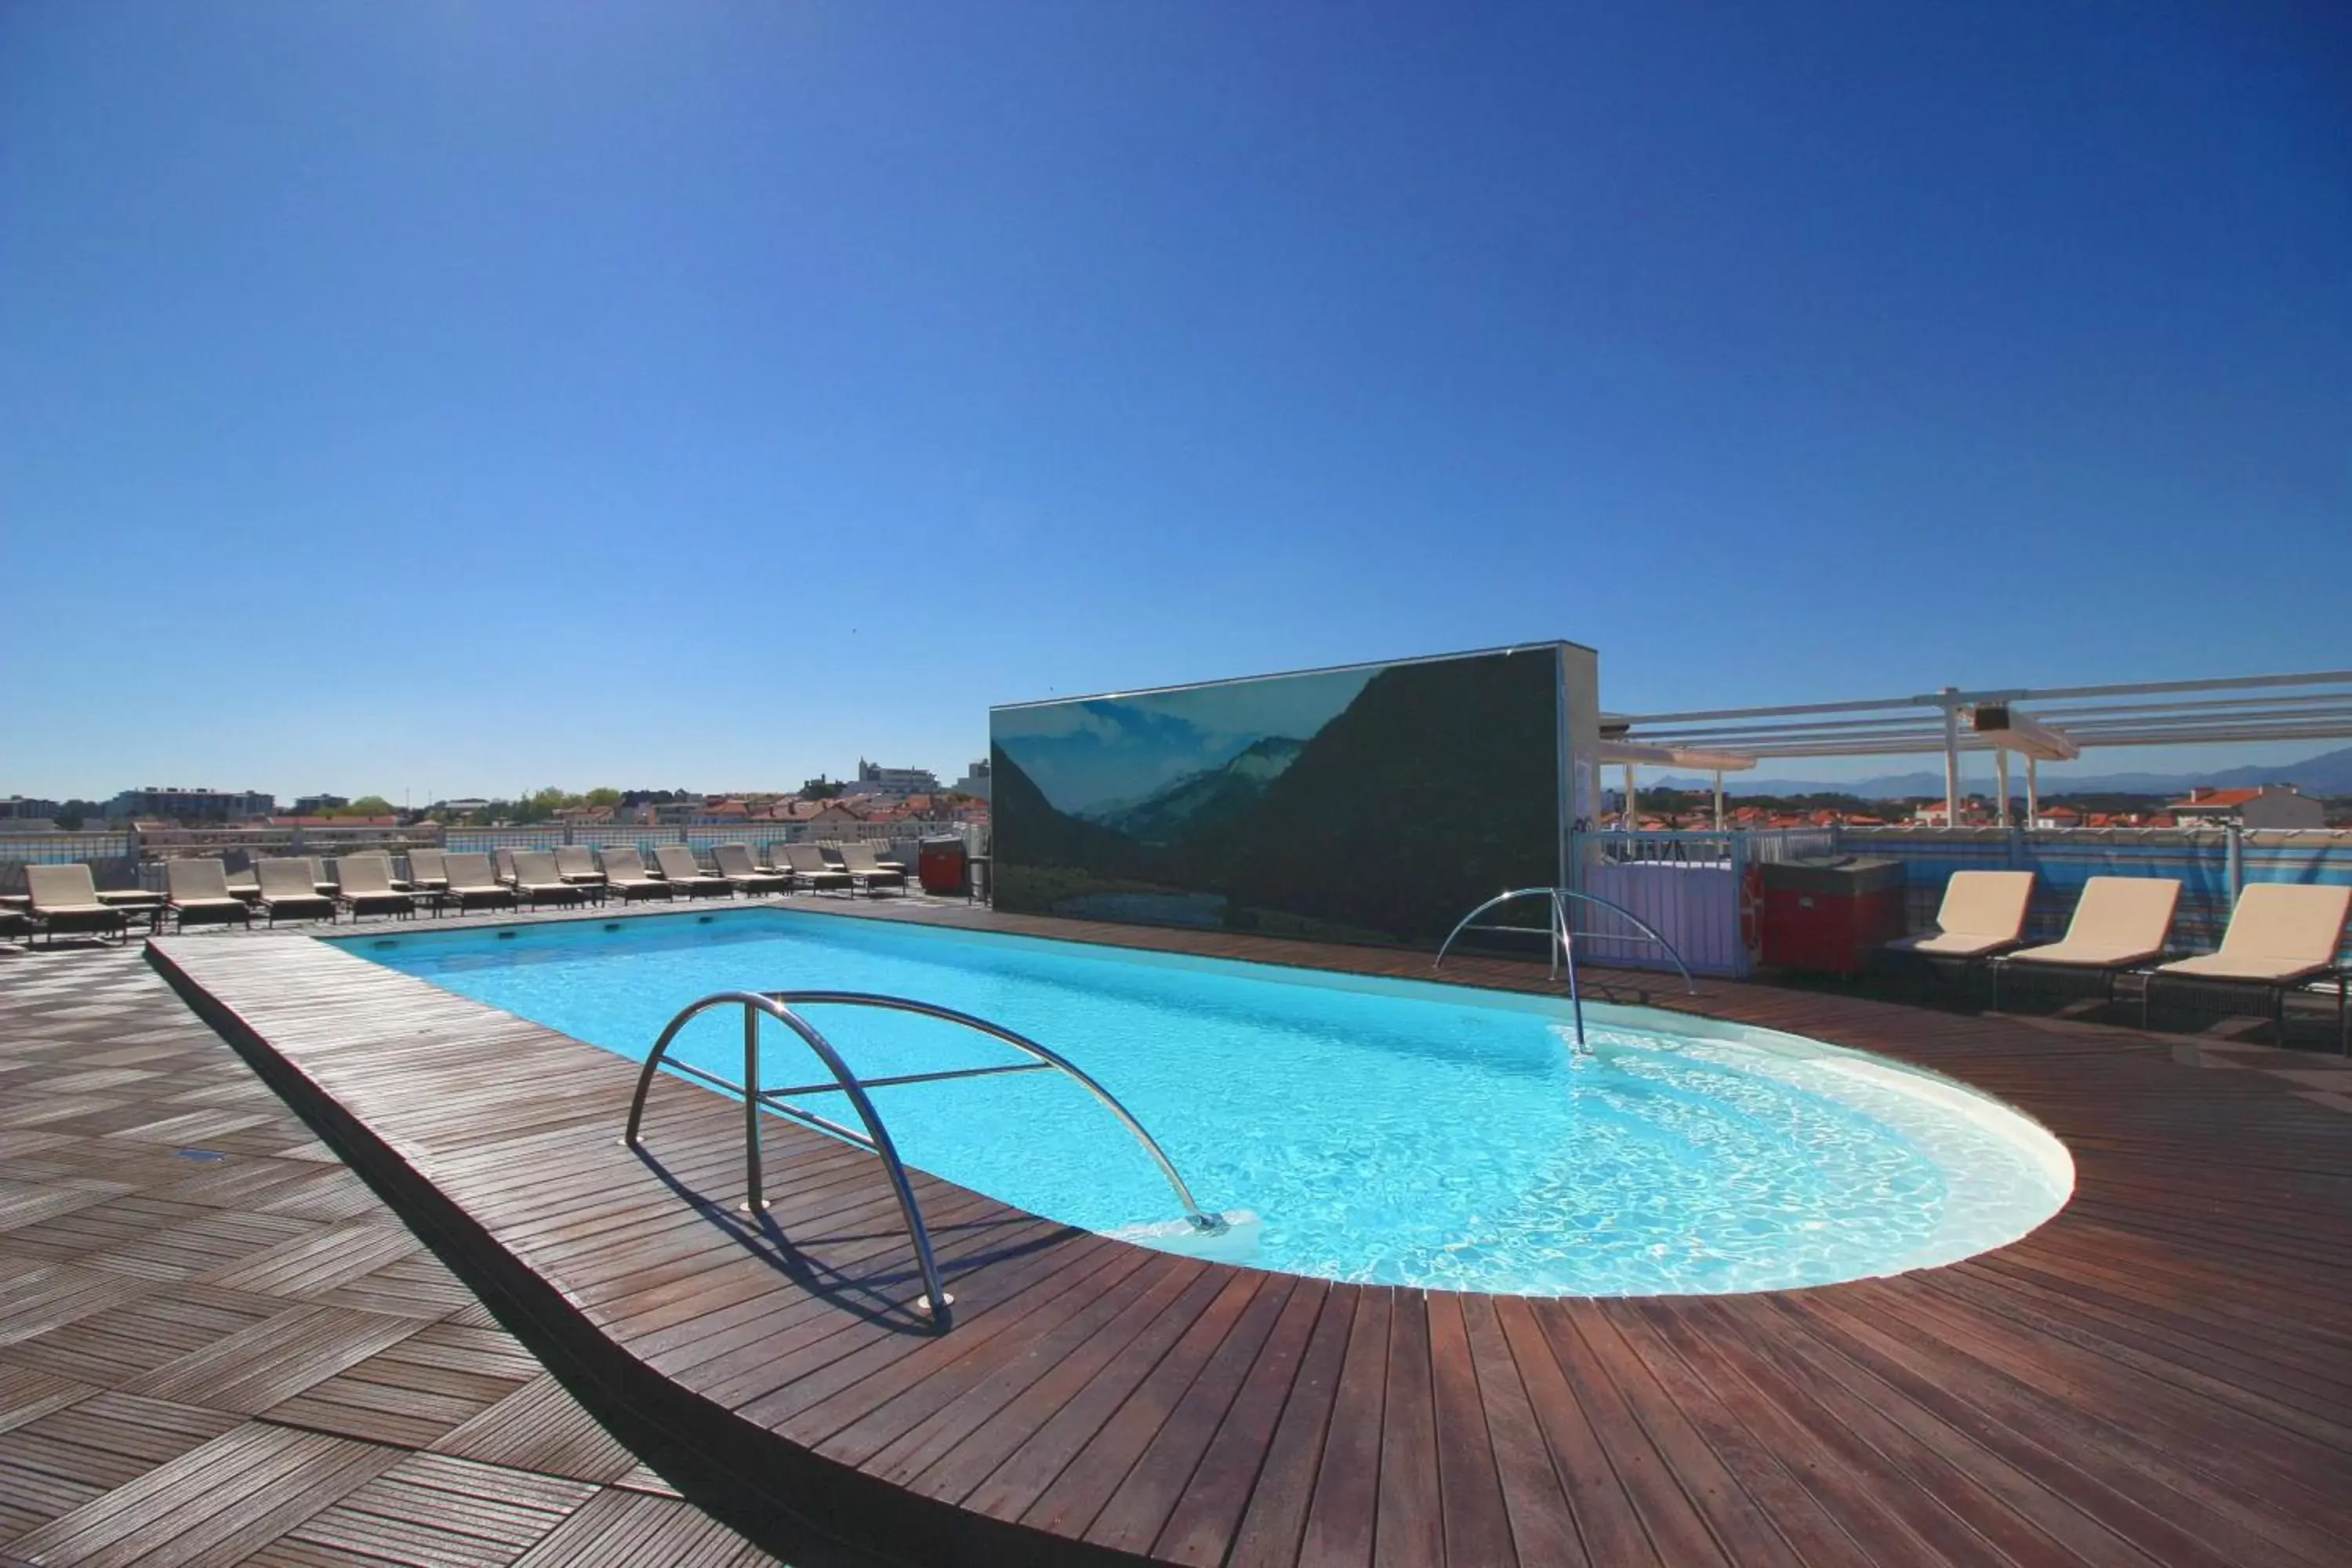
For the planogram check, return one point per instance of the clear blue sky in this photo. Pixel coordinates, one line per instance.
(456, 398)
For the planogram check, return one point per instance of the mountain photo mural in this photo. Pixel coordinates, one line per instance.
(1377, 803)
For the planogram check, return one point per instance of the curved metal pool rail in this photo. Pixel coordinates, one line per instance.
(1560, 944)
(780, 1004)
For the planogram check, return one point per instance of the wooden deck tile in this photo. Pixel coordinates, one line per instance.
(623, 1530)
(431, 1508)
(213, 1504)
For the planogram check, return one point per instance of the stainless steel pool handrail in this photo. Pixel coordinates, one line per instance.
(875, 1137)
(1560, 943)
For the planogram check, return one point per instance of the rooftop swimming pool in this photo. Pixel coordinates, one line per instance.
(1376, 1131)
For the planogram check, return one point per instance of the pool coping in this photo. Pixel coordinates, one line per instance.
(1278, 1472)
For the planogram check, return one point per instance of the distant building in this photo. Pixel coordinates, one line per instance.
(464, 808)
(2268, 805)
(1975, 811)
(19, 808)
(974, 781)
(178, 802)
(318, 805)
(891, 783)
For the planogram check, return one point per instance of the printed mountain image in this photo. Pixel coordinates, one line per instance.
(1377, 804)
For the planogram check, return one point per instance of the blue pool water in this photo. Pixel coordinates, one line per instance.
(1375, 1131)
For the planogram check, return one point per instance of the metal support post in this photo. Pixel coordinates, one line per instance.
(1951, 758)
(756, 1199)
(2000, 771)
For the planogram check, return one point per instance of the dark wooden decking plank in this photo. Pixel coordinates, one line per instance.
(1668, 1515)
(1409, 1526)
(214, 1504)
(1207, 1514)
(1138, 1511)
(1015, 1483)
(1475, 1522)
(1343, 1511)
(432, 1509)
(2174, 1512)
(1606, 1518)
(1732, 1516)
(866, 1428)
(1077, 1497)
(1542, 1523)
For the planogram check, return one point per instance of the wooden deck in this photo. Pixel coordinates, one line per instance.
(218, 1345)
(2162, 1375)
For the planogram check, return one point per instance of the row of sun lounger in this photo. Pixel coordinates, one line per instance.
(2281, 935)
(64, 900)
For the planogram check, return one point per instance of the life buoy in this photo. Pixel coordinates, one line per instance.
(1751, 909)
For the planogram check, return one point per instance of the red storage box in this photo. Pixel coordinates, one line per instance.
(1829, 913)
(938, 862)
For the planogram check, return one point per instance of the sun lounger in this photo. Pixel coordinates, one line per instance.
(538, 881)
(65, 902)
(676, 863)
(1983, 913)
(2119, 923)
(859, 859)
(808, 865)
(2281, 934)
(320, 880)
(424, 872)
(625, 874)
(506, 867)
(472, 886)
(199, 891)
(734, 862)
(289, 891)
(741, 875)
(244, 884)
(365, 884)
(574, 864)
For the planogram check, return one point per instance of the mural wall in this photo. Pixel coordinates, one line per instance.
(1375, 803)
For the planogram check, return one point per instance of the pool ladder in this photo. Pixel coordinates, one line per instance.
(875, 1137)
(1561, 943)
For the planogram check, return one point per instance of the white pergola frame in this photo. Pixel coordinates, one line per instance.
(2227, 710)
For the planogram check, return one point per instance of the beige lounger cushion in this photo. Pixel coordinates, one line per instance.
(2279, 931)
(63, 890)
(808, 860)
(860, 857)
(2118, 921)
(470, 873)
(734, 862)
(625, 867)
(1952, 944)
(678, 864)
(572, 862)
(367, 877)
(287, 881)
(535, 873)
(198, 885)
(1982, 912)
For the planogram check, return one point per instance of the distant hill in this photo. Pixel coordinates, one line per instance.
(1202, 799)
(1434, 790)
(2328, 773)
